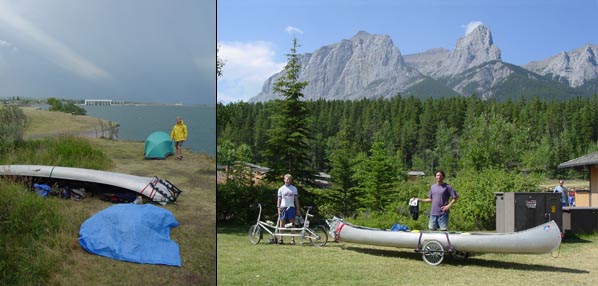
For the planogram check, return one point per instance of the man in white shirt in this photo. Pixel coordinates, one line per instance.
(288, 203)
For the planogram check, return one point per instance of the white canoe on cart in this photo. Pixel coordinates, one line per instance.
(158, 190)
(434, 244)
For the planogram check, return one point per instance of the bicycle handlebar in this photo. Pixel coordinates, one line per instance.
(264, 204)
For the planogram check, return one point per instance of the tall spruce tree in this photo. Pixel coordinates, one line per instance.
(376, 174)
(342, 159)
(287, 146)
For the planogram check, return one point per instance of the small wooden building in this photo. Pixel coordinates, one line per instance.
(414, 175)
(586, 163)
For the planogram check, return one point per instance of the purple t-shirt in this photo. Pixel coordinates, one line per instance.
(440, 195)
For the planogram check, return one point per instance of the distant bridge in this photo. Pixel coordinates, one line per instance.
(102, 102)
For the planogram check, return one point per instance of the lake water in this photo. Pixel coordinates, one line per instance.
(139, 121)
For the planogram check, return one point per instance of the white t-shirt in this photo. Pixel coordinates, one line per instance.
(287, 195)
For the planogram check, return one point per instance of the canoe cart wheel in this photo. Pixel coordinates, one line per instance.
(433, 252)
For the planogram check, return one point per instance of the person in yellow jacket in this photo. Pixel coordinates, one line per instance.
(179, 135)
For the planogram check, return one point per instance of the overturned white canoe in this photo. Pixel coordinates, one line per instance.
(540, 239)
(158, 190)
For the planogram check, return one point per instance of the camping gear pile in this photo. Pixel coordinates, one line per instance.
(64, 192)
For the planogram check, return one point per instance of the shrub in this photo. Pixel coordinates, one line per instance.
(476, 208)
(67, 107)
(12, 126)
(236, 203)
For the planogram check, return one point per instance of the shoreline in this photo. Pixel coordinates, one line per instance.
(149, 104)
(43, 123)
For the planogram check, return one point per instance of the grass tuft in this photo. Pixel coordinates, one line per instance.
(66, 151)
(31, 228)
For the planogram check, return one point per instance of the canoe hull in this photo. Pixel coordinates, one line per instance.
(541, 239)
(154, 188)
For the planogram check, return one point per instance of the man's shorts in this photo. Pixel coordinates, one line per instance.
(179, 143)
(438, 222)
(287, 213)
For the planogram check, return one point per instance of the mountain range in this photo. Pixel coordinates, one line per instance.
(371, 66)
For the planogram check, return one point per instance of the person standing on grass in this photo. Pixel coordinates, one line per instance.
(439, 196)
(288, 204)
(179, 135)
(564, 193)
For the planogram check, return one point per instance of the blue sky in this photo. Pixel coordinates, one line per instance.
(254, 36)
(135, 50)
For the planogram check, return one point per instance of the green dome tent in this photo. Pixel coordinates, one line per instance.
(158, 145)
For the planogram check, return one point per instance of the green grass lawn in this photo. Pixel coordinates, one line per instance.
(242, 263)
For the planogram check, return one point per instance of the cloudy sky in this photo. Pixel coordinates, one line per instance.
(134, 50)
(255, 35)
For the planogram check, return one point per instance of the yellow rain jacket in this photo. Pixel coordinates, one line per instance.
(179, 132)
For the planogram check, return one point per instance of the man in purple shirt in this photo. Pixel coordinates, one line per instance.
(439, 196)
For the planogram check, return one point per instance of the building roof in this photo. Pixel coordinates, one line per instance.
(590, 159)
(257, 168)
(416, 173)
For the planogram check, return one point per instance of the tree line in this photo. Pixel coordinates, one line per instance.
(449, 133)
(65, 106)
(368, 145)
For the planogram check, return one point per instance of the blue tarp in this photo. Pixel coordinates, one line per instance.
(135, 233)
(399, 227)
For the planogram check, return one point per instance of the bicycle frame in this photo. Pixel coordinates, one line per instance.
(277, 232)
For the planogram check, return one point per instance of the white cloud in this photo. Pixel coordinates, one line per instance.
(50, 47)
(8, 46)
(246, 66)
(471, 26)
(293, 30)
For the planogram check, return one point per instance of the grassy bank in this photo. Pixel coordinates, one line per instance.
(241, 263)
(42, 123)
(70, 264)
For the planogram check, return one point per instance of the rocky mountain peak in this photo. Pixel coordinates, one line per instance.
(575, 67)
(480, 37)
(361, 35)
(364, 66)
(473, 49)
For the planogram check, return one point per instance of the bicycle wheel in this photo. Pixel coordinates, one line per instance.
(255, 234)
(433, 252)
(318, 236)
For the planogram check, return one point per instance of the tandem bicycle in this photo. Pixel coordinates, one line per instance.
(317, 235)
